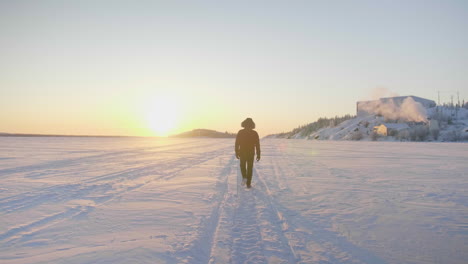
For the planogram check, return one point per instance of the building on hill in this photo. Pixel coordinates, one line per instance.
(390, 129)
(373, 107)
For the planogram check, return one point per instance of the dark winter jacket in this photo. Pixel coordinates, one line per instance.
(247, 141)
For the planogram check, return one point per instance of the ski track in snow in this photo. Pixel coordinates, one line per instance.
(180, 201)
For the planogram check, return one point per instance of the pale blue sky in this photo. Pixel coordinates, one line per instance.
(85, 67)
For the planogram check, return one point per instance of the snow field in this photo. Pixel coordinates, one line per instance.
(131, 200)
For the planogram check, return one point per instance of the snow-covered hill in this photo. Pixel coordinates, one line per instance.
(443, 124)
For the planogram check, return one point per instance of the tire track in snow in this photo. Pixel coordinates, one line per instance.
(200, 250)
(221, 246)
(76, 193)
(298, 241)
(277, 225)
(104, 184)
(16, 233)
(249, 229)
(310, 243)
(247, 243)
(134, 152)
(237, 237)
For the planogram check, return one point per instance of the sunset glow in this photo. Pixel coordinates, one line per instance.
(162, 115)
(159, 68)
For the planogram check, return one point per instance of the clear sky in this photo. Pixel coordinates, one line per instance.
(158, 67)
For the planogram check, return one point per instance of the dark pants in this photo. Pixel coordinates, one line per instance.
(246, 166)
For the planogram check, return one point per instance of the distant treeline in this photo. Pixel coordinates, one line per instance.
(306, 130)
(205, 133)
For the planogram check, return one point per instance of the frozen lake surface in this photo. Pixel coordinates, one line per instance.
(140, 200)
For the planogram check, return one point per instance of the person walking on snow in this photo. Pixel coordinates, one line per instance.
(247, 143)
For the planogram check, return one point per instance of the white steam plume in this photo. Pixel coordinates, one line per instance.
(380, 92)
(408, 111)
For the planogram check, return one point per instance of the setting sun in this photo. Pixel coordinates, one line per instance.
(162, 115)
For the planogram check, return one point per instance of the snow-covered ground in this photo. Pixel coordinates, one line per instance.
(137, 200)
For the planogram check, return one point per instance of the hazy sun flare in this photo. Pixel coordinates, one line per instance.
(162, 115)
